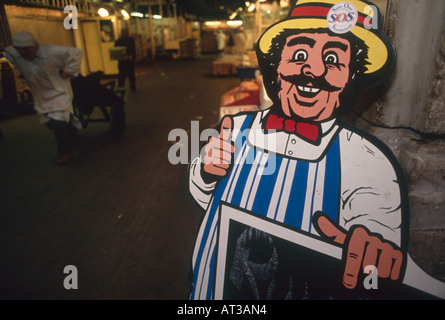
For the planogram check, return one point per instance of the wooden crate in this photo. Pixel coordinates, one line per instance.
(224, 68)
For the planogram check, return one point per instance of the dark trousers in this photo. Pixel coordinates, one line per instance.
(126, 69)
(65, 134)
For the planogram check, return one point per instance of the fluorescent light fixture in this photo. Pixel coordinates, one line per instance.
(137, 14)
(251, 7)
(234, 23)
(125, 14)
(212, 23)
(102, 12)
(233, 15)
(157, 16)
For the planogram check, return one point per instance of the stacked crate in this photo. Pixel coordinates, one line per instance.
(209, 43)
(189, 49)
(226, 65)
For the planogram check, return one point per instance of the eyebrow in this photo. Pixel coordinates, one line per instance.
(301, 40)
(336, 44)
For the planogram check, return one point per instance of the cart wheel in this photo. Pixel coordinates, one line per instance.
(117, 120)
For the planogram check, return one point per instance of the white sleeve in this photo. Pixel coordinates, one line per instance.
(201, 192)
(67, 58)
(371, 190)
(73, 59)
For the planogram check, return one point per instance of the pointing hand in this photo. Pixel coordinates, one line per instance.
(363, 249)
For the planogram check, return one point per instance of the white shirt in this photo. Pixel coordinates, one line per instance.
(370, 185)
(52, 94)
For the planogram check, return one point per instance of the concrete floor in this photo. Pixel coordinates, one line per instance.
(120, 212)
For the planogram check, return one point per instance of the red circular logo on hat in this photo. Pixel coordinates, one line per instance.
(342, 17)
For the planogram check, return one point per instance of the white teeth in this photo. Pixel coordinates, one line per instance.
(308, 89)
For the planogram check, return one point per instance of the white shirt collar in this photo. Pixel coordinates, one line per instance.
(290, 145)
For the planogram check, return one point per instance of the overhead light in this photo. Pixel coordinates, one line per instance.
(137, 14)
(234, 23)
(102, 12)
(125, 14)
(157, 16)
(212, 23)
(247, 3)
(233, 15)
(251, 7)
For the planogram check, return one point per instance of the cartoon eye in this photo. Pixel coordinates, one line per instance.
(300, 55)
(331, 58)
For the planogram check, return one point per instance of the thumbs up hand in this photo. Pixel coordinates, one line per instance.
(218, 152)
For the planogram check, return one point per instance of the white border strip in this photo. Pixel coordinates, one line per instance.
(414, 276)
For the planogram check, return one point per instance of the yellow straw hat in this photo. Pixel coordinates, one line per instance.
(356, 17)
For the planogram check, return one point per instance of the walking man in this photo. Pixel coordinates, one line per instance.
(127, 64)
(47, 69)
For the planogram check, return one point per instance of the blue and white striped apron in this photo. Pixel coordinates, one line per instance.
(291, 194)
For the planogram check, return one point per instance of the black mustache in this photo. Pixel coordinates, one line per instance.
(303, 80)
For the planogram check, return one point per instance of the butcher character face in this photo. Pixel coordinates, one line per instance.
(313, 72)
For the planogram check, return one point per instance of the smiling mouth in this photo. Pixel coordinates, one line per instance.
(308, 92)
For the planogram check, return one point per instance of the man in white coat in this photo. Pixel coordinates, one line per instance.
(328, 179)
(47, 69)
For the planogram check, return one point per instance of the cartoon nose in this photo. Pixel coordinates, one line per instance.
(314, 68)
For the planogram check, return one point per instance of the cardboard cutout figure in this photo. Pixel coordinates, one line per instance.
(298, 204)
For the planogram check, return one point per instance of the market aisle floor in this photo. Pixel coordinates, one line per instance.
(119, 213)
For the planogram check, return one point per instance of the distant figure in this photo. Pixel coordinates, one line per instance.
(239, 39)
(230, 43)
(126, 65)
(221, 40)
(107, 33)
(47, 69)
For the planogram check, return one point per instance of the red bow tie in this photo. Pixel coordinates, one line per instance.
(307, 130)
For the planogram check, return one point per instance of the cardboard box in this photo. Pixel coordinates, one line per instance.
(223, 68)
(117, 53)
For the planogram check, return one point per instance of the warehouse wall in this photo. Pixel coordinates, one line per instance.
(414, 97)
(46, 25)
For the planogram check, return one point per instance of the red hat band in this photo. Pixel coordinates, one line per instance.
(314, 11)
